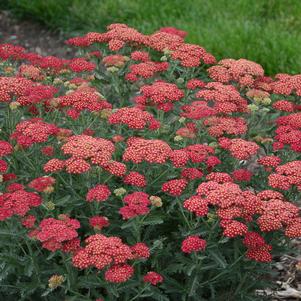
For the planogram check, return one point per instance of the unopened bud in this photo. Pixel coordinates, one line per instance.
(178, 138)
(105, 113)
(266, 101)
(49, 189)
(253, 107)
(55, 281)
(156, 201)
(14, 105)
(57, 81)
(119, 191)
(180, 80)
(50, 205)
(112, 69)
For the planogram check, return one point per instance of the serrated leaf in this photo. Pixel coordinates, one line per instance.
(153, 220)
(190, 270)
(175, 268)
(46, 293)
(194, 286)
(63, 200)
(127, 225)
(218, 258)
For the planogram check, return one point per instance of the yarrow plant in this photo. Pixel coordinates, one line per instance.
(143, 168)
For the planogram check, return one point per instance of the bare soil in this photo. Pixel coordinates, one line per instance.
(33, 37)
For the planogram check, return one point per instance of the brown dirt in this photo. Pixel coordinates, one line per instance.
(32, 36)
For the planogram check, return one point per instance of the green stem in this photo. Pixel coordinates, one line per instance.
(223, 272)
(140, 293)
(184, 215)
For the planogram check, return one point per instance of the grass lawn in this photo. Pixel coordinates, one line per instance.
(266, 31)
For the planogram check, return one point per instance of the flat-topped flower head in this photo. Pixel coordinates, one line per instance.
(53, 233)
(42, 184)
(153, 278)
(98, 193)
(225, 98)
(18, 202)
(5, 148)
(219, 126)
(191, 55)
(160, 93)
(193, 243)
(101, 251)
(243, 71)
(32, 131)
(286, 84)
(134, 118)
(152, 151)
(84, 98)
(136, 203)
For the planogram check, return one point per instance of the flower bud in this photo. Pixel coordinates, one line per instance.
(57, 81)
(69, 91)
(90, 77)
(14, 105)
(54, 103)
(156, 201)
(112, 69)
(55, 281)
(117, 138)
(266, 101)
(257, 100)
(49, 189)
(50, 205)
(258, 138)
(64, 71)
(8, 70)
(180, 80)
(119, 191)
(253, 107)
(166, 51)
(105, 113)
(211, 217)
(72, 86)
(178, 138)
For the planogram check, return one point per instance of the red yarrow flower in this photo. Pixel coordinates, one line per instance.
(153, 278)
(140, 250)
(119, 273)
(18, 202)
(193, 243)
(98, 222)
(137, 203)
(101, 251)
(54, 233)
(99, 193)
(5, 148)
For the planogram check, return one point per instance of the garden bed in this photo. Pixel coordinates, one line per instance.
(150, 148)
